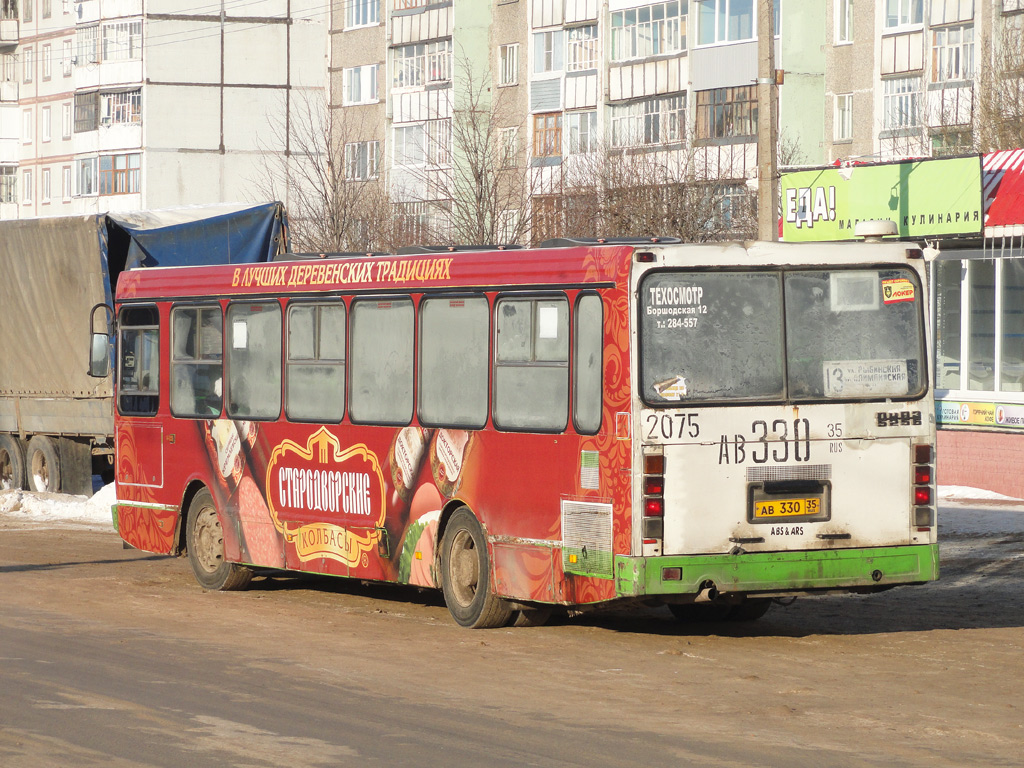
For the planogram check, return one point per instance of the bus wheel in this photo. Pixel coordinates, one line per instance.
(696, 612)
(532, 617)
(204, 540)
(751, 609)
(466, 575)
(43, 465)
(12, 464)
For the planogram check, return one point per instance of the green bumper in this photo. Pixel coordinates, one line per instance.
(778, 571)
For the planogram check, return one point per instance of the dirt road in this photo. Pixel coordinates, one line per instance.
(117, 658)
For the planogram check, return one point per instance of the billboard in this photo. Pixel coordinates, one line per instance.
(924, 198)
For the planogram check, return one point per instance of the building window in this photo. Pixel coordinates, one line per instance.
(408, 145)
(362, 13)
(65, 58)
(26, 187)
(65, 187)
(27, 128)
(65, 120)
(88, 44)
(725, 113)
(121, 108)
(582, 48)
(26, 12)
(44, 193)
(119, 174)
(45, 126)
(422, 63)
(7, 68)
(122, 41)
(582, 128)
(547, 135)
(508, 64)
(899, 13)
(952, 53)
(949, 143)
(725, 21)
(47, 7)
(1013, 6)
(359, 85)
(651, 121)
(844, 117)
(844, 21)
(649, 31)
(87, 111)
(509, 146)
(28, 65)
(361, 159)
(86, 171)
(439, 141)
(547, 52)
(8, 183)
(46, 63)
(901, 103)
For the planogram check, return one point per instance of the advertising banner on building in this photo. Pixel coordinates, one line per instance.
(924, 198)
(960, 413)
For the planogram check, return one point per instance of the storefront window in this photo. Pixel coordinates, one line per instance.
(1011, 367)
(947, 324)
(981, 275)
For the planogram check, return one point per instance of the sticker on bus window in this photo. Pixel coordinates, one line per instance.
(547, 322)
(897, 289)
(239, 335)
(671, 389)
(866, 378)
(853, 291)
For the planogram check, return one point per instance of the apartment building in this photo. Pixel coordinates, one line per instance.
(114, 105)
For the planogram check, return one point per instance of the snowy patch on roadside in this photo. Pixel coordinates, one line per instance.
(58, 510)
(963, 493)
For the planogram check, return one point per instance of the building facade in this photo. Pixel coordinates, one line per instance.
(113, 105)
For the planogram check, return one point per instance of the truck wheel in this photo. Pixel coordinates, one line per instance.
(43, 465)
(466, 575)
(75, 467)
(204, 540)
(12, 464)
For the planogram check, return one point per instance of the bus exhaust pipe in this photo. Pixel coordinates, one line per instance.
(707, 594)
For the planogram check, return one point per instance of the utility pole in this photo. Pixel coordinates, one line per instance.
(768, 125)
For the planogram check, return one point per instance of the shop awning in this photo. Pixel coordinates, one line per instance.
(1002, 178)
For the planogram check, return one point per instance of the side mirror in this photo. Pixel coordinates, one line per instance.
(99, 356)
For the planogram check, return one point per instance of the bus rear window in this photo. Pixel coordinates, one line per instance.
(719, 336)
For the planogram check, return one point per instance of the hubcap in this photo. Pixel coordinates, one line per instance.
(464, 568)
(208, 540)
(40, 471)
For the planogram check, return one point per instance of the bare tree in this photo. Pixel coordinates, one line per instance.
(999, 112)
(328, 178)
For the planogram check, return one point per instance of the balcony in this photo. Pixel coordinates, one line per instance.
(9, 91)
(8, 22)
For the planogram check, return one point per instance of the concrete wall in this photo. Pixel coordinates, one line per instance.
(989, 460)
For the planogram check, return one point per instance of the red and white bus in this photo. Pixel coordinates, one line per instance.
(710, 426)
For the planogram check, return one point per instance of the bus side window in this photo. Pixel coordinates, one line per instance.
(531, 364)
(138, 384)
(588, 386)
(254, 360)
(453, 362)
(315, 384)
(196, 361)
(381, 348)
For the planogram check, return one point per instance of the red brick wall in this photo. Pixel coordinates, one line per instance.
(990, 460)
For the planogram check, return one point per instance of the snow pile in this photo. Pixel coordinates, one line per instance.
(963, 493)
(53, 510)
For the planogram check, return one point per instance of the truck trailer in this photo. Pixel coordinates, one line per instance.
(57, 423)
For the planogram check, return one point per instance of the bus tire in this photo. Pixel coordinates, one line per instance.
(12, 464)
(204, 541)
(700, 612)
(532, 617)
(42, 463)
(751, 609)
(466, 575)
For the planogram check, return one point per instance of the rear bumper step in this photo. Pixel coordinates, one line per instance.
(777, 571)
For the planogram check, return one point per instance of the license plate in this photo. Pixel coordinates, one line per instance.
(787, 507)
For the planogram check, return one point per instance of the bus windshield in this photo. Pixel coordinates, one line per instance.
(767, 336)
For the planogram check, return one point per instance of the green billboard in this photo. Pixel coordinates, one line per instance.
(924, 198)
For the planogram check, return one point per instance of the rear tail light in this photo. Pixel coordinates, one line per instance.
(924, 477)
(653, 525)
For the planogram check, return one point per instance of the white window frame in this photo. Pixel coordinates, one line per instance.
(87, 184)
(66, 55)
(362, 13)
(121, 108)
(87, 42)
(362, 159)
(508, 64)
(581, 132)
(66, 182)
(28, 65)
(952, 60)
(844, 117)
(409, 146)
(902, 13)
(634, 124)
(901, 103)
(649, 30)
(720, 9)
(45, 124)
(510, 146)
(44, 187)
(418, 64)
(67, 120)
(581, 48)
(122, 41)
(360, 85)
(548, 51)
(46, 65)
(844, 22)
(27, 126)
(26, 187)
